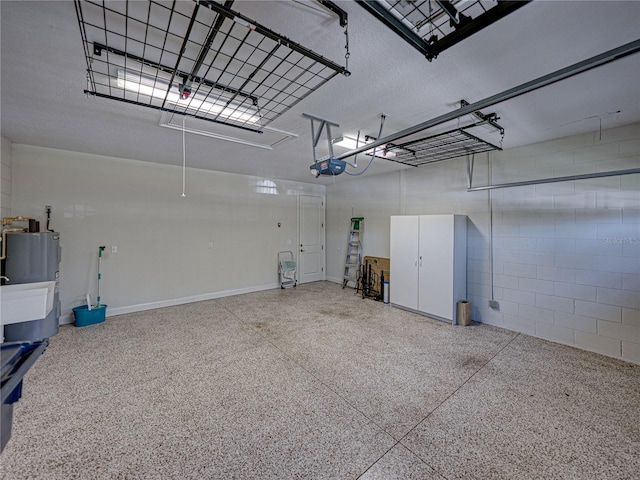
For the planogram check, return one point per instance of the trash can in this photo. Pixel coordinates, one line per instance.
(17, 359)
(463, 313)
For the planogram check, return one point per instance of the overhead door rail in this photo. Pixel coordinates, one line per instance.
(609, 56)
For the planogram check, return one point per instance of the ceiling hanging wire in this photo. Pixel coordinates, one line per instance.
(184, 159)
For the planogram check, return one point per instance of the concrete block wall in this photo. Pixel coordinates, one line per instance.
(221, 239)
(566, 256)
(5, 173)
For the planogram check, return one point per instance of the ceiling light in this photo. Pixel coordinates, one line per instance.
(351, 144)
(198, 103)
(346, 142)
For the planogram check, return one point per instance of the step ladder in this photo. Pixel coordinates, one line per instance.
(354, 252)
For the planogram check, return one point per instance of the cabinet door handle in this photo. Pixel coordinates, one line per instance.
(420, 260)
(416, 262)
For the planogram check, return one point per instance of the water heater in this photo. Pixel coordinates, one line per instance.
(33, 257)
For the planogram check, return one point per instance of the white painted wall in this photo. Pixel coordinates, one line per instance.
(5, 173)
(221, 239)
(566, 255)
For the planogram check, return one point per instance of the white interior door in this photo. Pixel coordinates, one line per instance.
(403, 285)
(311, 252)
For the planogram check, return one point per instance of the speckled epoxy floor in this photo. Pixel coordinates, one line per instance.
(316, 383)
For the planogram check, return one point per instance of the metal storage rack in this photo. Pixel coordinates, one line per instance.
(196, 58)
(435, 148)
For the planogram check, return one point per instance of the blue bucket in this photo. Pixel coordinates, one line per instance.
(85, 317)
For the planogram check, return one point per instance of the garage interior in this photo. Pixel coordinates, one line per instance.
(198, 140)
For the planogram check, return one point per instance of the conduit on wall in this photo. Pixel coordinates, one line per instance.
(569, 178)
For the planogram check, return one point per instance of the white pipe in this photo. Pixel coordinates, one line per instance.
(184, 160)
(568, 178)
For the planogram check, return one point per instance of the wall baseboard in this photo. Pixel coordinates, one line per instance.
(112, 312)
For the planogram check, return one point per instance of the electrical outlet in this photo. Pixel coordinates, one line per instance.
(114, 249)
(210, 245)
(494, 304)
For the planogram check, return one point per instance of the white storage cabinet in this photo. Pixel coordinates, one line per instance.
(429, 263)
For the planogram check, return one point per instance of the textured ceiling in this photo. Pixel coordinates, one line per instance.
(43, 74)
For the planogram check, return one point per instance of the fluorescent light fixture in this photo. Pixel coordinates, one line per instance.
(200, 104)
(270, 138)
(351, 144)
(346, 142)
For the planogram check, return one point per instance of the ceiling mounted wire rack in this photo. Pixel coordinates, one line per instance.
(432, 26)
(197, 58)
(443, 146)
